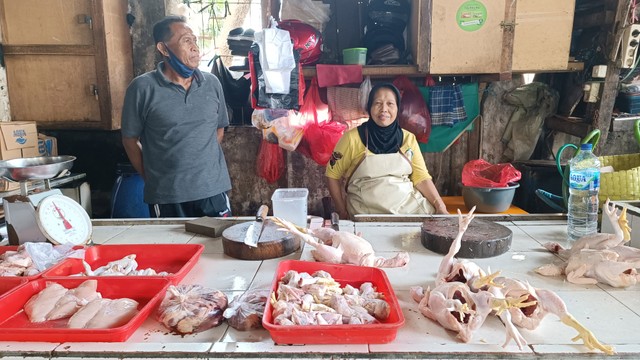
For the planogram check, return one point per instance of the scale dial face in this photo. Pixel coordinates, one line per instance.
(63, 221)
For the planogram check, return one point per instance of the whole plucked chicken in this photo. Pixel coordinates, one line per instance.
(589, 267)
(599, 241)
(598, 258)
(539, 303)
(341, 247)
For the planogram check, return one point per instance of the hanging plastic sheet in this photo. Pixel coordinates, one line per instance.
(260, 99)
(236, 93)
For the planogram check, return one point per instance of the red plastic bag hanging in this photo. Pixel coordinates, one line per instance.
(480, 173)
(313, 108)
(321, 134)
(270, 162)
(413, 113)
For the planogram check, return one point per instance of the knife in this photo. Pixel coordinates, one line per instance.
(254, 230)
(335, 221)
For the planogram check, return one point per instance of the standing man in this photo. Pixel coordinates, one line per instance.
(173, 122)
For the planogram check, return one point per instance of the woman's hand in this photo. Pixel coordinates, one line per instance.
(442, 209)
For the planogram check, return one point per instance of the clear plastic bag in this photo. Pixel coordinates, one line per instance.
(44, 255)
(245, 311)
(312, 12)
(187, 309)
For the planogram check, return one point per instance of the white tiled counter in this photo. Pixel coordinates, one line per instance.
(613, 315)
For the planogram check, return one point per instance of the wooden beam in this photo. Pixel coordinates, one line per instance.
(88, 50)
(571, 125)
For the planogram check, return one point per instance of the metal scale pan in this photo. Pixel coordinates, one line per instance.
(36, 168)
(46, 215)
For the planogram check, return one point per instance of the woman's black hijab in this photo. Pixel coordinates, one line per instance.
(382, 140)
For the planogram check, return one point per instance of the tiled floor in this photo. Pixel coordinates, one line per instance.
(613, 315)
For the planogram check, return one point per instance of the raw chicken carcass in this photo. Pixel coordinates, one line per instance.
(42, 303)
(600, 241)
(74, 299)
(589, 267)
(341, 247)
(540, 303)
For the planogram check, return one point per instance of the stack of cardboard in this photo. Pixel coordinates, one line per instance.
(20, 139)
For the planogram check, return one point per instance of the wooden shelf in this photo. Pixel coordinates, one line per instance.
(412, 70)
(376, 70)
(571, 125)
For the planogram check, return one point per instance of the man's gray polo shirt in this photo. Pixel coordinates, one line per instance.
(183, 160)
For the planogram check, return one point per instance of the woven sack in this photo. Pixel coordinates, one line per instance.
(624, 182)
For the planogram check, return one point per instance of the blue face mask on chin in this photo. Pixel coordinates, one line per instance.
(177, 65)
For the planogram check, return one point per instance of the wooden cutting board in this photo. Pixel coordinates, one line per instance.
(483, 239)
(210, 226)
(273, 243)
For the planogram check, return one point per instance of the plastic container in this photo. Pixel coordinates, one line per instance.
(291, 205)
(354, 56)
(15, 326)
(176, 259)
(10, 283)
(127, 194)
(488, 200)
(584, 184)
(379, 333)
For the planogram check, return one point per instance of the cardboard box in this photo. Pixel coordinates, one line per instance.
(47, 145)
(18, 139)
(465, 36)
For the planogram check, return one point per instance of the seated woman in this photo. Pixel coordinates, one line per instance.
(381, 165)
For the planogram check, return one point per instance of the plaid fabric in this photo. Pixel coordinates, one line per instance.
(446, 105)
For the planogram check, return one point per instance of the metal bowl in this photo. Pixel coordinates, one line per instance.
(35, 168)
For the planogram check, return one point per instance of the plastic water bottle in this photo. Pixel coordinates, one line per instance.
(584, 184)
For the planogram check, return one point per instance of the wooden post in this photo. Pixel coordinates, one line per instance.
(601, 116)
(508, 35)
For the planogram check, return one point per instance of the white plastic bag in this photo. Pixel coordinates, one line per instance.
(45, 255)
(365, 89)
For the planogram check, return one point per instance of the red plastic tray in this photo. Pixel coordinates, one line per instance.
(15, 326)
(176, 259)
(9, 283)
(337, 334)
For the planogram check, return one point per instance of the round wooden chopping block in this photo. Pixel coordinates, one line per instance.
(272, 244)
(483, 239)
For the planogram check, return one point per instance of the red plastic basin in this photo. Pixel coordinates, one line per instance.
(15, 326)
(337, 334)
(176, 259)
